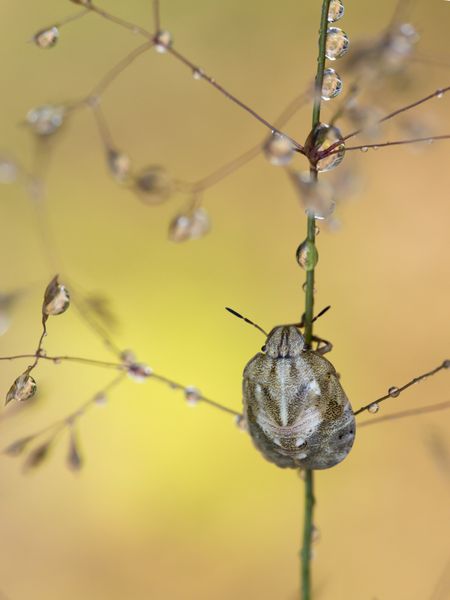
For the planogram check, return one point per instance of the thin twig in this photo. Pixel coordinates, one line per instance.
(156, 15)
(407, 413)
(394, 392)
(436, 94)
(365, 147)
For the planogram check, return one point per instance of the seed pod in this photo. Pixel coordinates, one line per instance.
(296, 410)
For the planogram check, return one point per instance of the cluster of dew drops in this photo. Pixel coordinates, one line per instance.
(151, 184)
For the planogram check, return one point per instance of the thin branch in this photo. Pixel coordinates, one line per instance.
(233, 165)
(121, 22)
(436, 94)
(212, 81)
(118, 69)
(72, 18)
(156, 15)
(57, 359)
(407, 413)
(394, 392)
(365, 147)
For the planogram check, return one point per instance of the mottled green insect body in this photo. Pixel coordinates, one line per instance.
(296, 410)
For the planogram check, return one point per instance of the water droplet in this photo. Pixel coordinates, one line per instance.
(153, 185)
(56, 298)
(307, 255)
(9, 170)
(336, 11)
(191, 225)
(326, 136)
(398, 45)
(57, 361)
(373, 408)
(192, 395)
(163, 41)
(393, 392)
(74, 460)
(119, 164)
(315, 534)
(278, 149)
(139, 372)
(337, 43)
(331, 85)
(364, 149)
(101, 399)
(46, 38)
(23, 388)
(317, 196)
(439, 93)
(45, 120)
(197, 73)
(446, 364)
(304, 286)
(38, 455)
(18, 446)
(241, 422)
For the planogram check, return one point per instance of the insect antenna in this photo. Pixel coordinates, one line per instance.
(236, 314)
(322, 312)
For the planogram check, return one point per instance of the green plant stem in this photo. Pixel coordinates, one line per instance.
(309, 309)
(308, 526)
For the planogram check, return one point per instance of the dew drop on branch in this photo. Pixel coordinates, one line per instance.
(326, 136)
(74, 460)
(45, 120)
(337, 43)
(190, 225)
(17, 447)
(241, 422)
(163, 41)
(153, 184)
(46, 38)
(331, 85)
(139, 372)
(307, 255)
(119, 164)
(38, 455)
(373, 408)
(394, 392)
(56, 298)
(100, 399)
(192, 395)
(23, 388)
(318, 196)
(278, 149)
(9, 170)
(335, 11)
(197, 73)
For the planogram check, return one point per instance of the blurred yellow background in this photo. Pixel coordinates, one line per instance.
(173, 502)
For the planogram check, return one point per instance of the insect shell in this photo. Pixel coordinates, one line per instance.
(297, 413)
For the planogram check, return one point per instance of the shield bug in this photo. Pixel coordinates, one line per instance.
(296, 411)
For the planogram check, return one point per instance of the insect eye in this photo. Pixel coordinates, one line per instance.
(263, 348)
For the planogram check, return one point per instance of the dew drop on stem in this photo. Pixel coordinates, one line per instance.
(373, 408)
(278, 149)
(335, 11)
(393, 392)
(163, 41)
(337, 43)
(332, 84)
(45, 120)
(307, 255)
